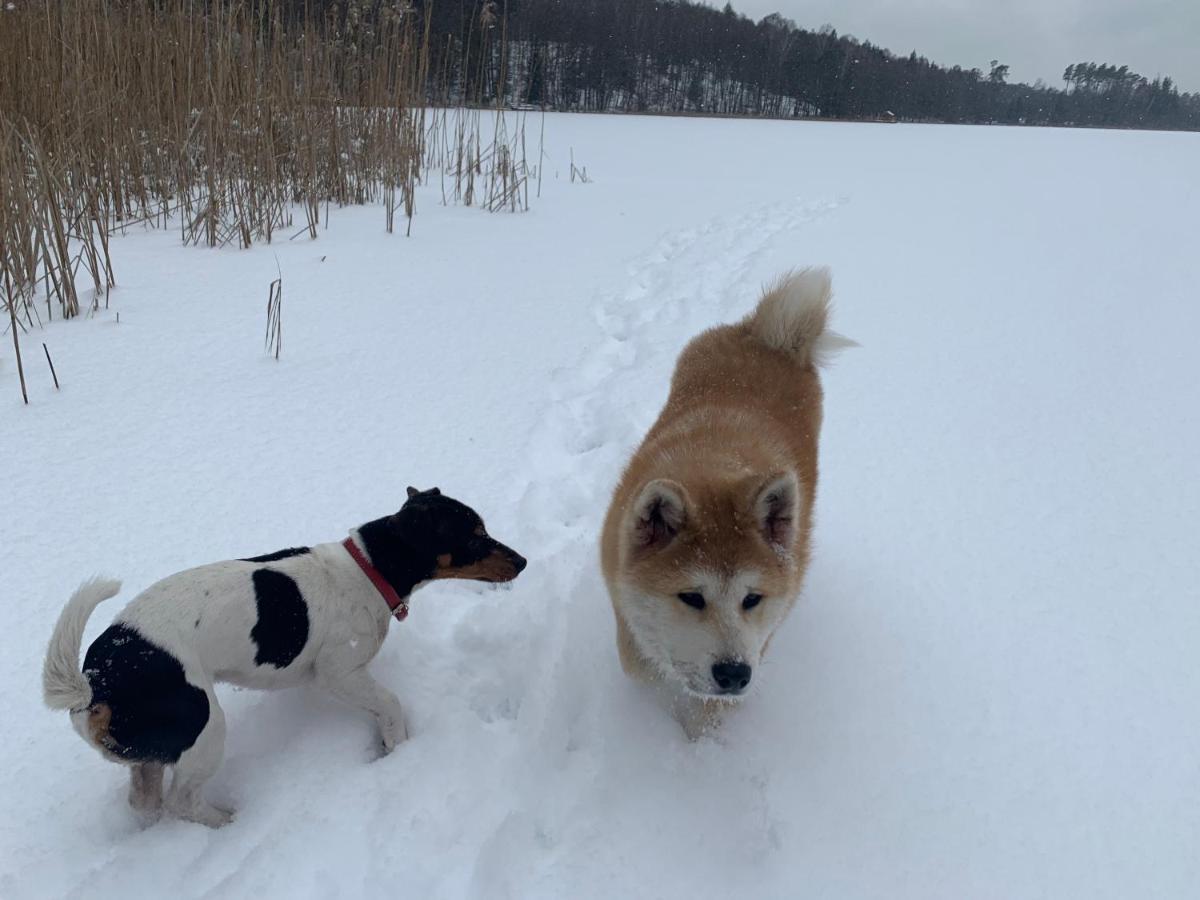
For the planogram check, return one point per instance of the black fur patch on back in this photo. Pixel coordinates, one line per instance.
(278, 555)
(156, 713)
(282, 628)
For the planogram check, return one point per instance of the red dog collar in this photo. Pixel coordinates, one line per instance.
(397, 604)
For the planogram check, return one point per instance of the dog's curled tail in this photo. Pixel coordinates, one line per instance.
(63, 684)
(793, 316)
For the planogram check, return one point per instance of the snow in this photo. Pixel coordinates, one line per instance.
(989, 689)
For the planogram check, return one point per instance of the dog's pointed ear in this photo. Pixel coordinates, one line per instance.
(659, 513)
(775, 509)
(412, 492)
(435, 491)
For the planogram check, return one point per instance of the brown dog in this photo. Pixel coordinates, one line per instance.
(707, 539)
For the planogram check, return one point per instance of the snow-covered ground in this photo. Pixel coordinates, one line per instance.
(991, 688)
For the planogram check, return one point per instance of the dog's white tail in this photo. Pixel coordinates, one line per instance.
(63, 684)
(793, 315)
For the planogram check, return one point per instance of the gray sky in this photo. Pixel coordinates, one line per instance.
(1037, 38)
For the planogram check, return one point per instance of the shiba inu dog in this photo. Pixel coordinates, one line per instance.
(706, 542)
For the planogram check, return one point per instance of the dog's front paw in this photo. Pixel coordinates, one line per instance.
(393, 731)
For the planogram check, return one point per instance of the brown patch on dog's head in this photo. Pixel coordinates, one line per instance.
(500, 565)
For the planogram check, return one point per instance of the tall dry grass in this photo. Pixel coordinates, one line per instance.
(234, 122)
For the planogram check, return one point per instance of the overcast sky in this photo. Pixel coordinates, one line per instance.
(1037, 38)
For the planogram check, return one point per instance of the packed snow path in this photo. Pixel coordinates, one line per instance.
(990, 688)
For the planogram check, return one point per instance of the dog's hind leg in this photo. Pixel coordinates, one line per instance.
(195, 767)
(358, 688)
(146, 788)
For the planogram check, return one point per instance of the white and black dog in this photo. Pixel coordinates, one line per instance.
(145, 695)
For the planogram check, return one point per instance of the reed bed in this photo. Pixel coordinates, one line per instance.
(481, 156)
(234, 122)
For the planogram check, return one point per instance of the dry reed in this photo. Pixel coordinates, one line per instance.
(233, 121)
(274, 316)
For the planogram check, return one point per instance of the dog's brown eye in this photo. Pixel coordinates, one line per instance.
(751, 600)
(692, 599)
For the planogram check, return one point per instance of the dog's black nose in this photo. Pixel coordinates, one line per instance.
(731, 676)
(519, 562)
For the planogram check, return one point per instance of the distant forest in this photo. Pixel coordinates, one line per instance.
(676, 56)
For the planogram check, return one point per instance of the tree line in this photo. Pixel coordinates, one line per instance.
(678, 56)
